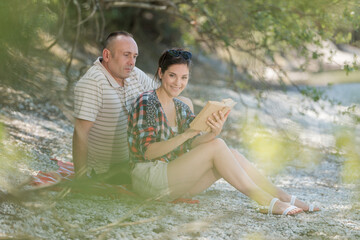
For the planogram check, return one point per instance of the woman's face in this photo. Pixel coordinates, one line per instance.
(174, 79)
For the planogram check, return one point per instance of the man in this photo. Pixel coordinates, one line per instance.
(103, 97)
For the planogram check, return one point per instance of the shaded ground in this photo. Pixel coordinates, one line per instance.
(223, 213)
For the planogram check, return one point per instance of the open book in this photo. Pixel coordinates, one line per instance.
(199, 123)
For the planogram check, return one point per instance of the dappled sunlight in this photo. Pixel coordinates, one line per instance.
(255, 236)
(339, 207)
(348, 146)
(350, 224)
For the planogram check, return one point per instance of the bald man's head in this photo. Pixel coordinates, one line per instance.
(109, 41)
(119, 55)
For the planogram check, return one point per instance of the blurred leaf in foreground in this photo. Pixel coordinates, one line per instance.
(348, 146)
(273, 150)
(12, 159)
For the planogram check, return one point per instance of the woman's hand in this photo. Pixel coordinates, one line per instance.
(216, 124)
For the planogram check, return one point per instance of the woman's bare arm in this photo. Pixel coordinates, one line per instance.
(158, 149)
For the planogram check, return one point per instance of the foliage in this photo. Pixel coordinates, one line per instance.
(11, 158)
(18, 34)
(248, 34)
(259, 30)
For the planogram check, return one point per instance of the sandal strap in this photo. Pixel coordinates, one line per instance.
(271, 206)
(293, 199)
(311, 207)
(288, 210)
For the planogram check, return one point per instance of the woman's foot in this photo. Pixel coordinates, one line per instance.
(277, 207)
(300, 204)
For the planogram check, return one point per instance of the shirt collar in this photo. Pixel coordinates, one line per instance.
(109, 77)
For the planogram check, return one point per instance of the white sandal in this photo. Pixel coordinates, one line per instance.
(311, 206)
(285, 212)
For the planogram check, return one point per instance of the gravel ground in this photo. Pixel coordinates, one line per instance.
(39, 131)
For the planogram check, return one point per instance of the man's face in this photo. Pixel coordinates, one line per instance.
(120, 57)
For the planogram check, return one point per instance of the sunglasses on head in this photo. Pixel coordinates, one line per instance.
(177, 53)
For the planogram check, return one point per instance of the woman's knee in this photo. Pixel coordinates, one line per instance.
(236, 153)
(240, 157)
(218, 143)
(214, 147)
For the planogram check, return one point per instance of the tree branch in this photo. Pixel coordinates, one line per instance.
(138, 5)
(103, 22)
(78, 9)
(91, 14)
(61, 30)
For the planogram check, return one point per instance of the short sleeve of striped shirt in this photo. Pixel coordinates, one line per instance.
(88, 99)
(147, 83)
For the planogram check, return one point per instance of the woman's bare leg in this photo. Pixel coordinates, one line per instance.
(265, 183)
(259, 178)
(204, 183)
(187, 170)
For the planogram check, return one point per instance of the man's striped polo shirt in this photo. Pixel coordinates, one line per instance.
(100, 99)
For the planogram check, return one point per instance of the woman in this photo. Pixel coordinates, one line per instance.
(170, 160)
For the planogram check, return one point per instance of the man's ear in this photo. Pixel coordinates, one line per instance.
(106, 54)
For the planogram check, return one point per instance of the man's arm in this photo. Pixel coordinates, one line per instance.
(80, 145)
(147, 83)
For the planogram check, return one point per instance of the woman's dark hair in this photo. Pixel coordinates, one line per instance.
(172, 56)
